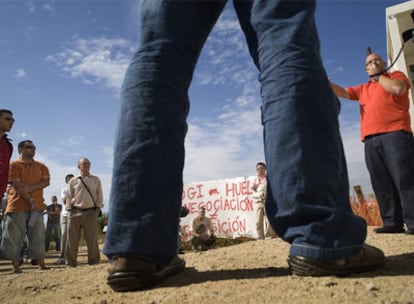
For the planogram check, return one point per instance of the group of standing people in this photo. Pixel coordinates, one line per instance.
(23, 214)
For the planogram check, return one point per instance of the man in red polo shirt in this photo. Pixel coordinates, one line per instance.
(388, 140)
(6, 148)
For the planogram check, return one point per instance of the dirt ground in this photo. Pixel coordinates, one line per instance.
(251, 272)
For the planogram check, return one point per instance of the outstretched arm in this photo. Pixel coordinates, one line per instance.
(339, 91)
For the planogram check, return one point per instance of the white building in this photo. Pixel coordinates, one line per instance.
(400, 38)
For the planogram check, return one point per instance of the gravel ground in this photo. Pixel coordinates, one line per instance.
(251, 272)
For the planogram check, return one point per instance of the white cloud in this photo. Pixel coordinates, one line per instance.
(20, 73)
(22, 135)
(95, 60)
(74, 141)
(225, 59)
(229, 142)
(230, 146)
(49, 8)
(340, 69)
(108, 152)
(222, 151)
(31, 6)
(58, 173)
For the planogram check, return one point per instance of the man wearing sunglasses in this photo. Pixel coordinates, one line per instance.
(24, 212)
(6, 148)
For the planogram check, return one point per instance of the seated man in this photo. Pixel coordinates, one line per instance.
(202, 231)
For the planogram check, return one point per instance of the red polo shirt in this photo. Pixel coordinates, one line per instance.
(6, 151)
(380, 111)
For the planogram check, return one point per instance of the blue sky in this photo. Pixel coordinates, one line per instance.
(62, 64)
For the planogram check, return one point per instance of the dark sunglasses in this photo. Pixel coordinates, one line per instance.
(30, 147)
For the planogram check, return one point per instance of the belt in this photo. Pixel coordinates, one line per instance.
(82, 209)
(378, 134)
(373, 135)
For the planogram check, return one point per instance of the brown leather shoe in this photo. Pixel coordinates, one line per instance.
(386, 229)
(138, 273)
(368, 259)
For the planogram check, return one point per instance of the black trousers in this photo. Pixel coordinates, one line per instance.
(390, 162)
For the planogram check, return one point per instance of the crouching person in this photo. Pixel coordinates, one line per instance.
(202, 231)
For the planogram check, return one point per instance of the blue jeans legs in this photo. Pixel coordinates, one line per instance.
(308, 195)
(15, 228)
(56, 228)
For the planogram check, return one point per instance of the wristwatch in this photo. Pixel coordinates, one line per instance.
(376, 78)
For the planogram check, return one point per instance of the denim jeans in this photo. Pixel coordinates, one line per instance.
(16, 226)
(308, 192)
(390, 162)
(49, 228)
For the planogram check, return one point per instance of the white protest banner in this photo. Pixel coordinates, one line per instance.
(228, 204)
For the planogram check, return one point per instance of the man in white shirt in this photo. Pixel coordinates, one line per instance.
(259, 197)
(64, 221)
